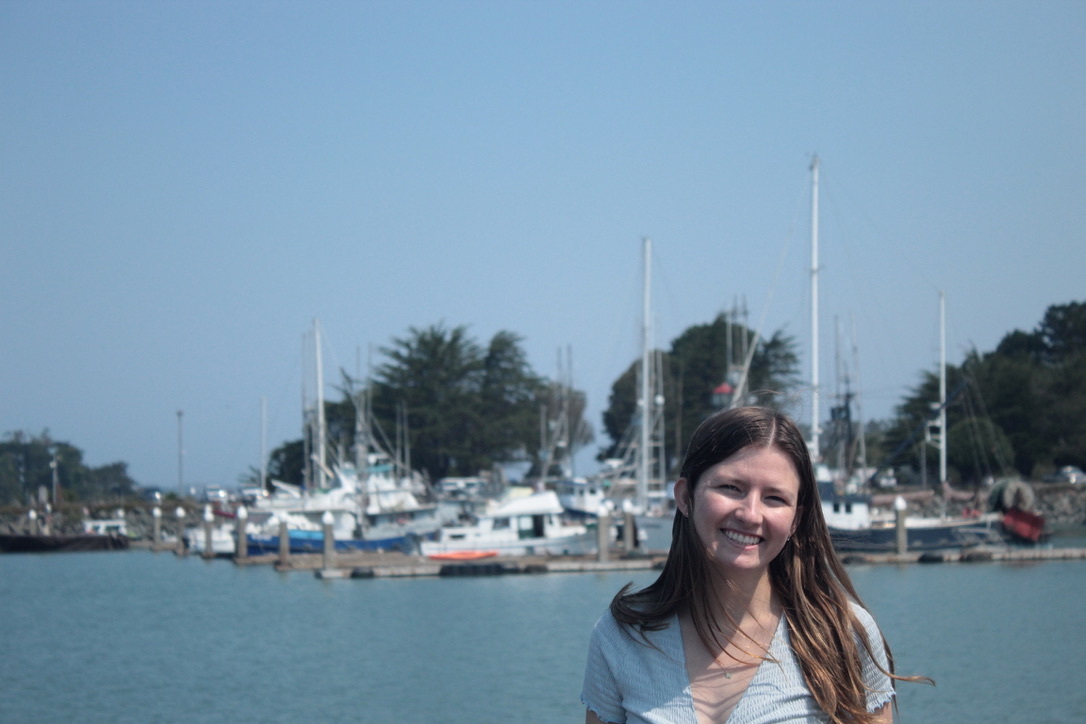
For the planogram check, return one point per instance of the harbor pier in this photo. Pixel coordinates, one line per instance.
(400, 565)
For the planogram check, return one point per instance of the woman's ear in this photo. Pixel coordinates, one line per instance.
(682, 496)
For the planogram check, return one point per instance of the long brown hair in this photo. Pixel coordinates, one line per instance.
(807, 576)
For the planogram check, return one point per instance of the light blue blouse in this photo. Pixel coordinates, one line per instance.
(628, 681)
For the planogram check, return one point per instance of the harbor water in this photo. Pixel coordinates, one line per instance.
(150, 637)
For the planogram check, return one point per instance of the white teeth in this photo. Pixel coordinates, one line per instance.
(747, 540)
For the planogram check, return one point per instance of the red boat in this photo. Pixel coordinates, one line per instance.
(1023, 525)
(462, 555)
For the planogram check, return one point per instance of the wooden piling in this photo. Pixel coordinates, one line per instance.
(179, 513)
(284, 544)
(156, 528)
(628, 541)
(899, 520)
(603, 536)
(241, 541)
(209, 551)
(329, 541)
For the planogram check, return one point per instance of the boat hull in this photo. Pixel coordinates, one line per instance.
(308, 542)
(462, 555)
(884, 540)
(578, 545)
(1024, 526)
(61, 543)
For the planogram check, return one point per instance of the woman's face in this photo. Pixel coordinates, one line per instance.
(744, 508)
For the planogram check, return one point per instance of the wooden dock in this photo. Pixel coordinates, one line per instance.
(969, 555)
(398, 565)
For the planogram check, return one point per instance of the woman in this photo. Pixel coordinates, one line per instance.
(753, 618)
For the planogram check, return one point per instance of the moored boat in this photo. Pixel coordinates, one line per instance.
(581, 497)
(856, 526)
(519, 525)
(1024, 525)
(39, 543)
(462, 555)
(373, 510)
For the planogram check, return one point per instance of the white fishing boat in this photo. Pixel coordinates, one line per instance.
(374, 501)
(375, 510)
(518, 525)
(581, 497)
(223, 544)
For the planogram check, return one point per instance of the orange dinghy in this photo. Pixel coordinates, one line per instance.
(462, 555)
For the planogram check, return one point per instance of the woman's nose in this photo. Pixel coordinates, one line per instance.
(749, 510)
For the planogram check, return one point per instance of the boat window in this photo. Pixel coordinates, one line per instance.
(836, 507)
(500, 523)
(848, 507)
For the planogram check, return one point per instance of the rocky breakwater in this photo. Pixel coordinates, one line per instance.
(70, 519)
(1061, 504)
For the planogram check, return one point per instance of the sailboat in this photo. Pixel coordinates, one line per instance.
(653, 505)
(581, 497)
(855, 522)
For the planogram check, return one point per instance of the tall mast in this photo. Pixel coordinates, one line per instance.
(263, 441)
(321, 423)
(815, 415)
(307, 419)
(180, 459)
(861, 433)
(567, 413)
(643, 450)
(942, 388)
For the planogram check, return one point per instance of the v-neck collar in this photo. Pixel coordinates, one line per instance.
(772, 654)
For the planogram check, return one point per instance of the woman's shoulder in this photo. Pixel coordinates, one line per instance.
(606, 625)
(870, 639)
(635, 619)
(867, 621)
(610, 630)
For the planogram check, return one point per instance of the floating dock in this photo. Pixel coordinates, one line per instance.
(398, 565)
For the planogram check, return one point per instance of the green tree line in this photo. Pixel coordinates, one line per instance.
(458, 406)
(1017, 410)
(461, 406)
(699, 361)
(466, 406)
(32, 465)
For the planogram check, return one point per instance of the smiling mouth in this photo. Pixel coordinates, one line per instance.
(742, 538)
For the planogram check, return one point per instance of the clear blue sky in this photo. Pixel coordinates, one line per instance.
(185, 186)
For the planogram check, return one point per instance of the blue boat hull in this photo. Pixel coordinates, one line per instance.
(305, 541)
